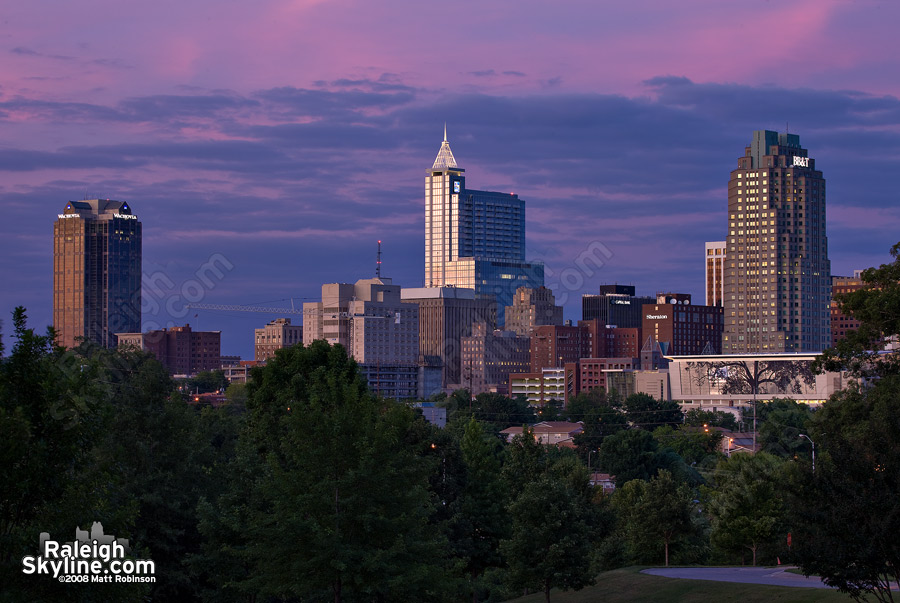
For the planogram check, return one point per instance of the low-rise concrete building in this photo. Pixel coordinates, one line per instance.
(720, 382)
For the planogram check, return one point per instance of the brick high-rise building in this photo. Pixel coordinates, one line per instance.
(181, 350)
(715, 272)
(777, 273)
(532, 308)
(96, 272)
(612, 342)
(683, 329)
(552, 346)
(840, 322)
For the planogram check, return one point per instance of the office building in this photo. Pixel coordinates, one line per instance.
(532, 308)
(715, 267)
(376, 327)
(682, 328)
(446, 315)
(840, 322)
(96, 272)
(777, 274)
(616, 305)
(474, 239)
(612, 342)
(552, 346)
(592, 372)
(276, 335)
(181, 350)
(488, 358)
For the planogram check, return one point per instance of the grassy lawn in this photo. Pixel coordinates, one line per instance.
(629, 586)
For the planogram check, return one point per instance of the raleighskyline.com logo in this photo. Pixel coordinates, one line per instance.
(89, 558)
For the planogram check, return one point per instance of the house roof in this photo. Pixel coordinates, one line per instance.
(548, 427)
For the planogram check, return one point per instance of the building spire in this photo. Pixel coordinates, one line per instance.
(444, 157)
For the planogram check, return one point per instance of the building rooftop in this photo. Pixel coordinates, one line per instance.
(444, 157)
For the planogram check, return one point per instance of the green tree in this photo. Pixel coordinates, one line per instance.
(698, 417)
(851, 540)
(653, 513)
(780, 423)
(482, 521)
(693, 444)
(648, 413)
(495, 410)
(205, 382)
(525, 462)
(746, 504)
(236, 394)
(635, 454)
(342, 508)
(552, 537)
(583, 403)
(877, 307)
(51, 411)
(599, 422)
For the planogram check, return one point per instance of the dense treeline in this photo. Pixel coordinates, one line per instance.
(307, 487)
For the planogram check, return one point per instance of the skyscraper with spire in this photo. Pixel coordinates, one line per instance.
(474, 239)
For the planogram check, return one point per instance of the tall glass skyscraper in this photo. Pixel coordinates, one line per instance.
(96, 272)
(777, 277)
(474, 239)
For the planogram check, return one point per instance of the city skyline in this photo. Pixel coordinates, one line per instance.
(623, 133)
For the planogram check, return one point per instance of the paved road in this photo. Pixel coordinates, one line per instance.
(747, 575)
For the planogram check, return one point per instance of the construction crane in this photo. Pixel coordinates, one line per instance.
(248, 308)
(258, 309)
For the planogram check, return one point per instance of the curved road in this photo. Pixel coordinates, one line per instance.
(748, 575)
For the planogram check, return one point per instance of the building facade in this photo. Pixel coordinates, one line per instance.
(777, 275)
(474, 239)
(592, 372)
(840, 322)
(276, 335)
(181, 350)
(553, 346)
(540, 387)
(616, 305)
(612, 342)
(446, 315)
(719, 382)
(715, 272)
(489, 357)
(532, 308)
(683, 328)
(96, 272)
(376, 327)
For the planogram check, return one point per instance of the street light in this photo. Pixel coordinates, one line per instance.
(590, 452)
(813, 450)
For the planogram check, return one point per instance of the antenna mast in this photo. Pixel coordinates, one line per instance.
(378, 262)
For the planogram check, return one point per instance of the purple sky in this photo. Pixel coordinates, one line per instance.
(290, 136)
